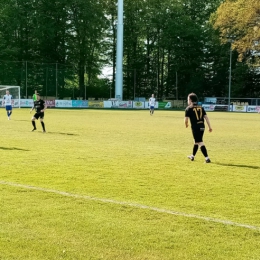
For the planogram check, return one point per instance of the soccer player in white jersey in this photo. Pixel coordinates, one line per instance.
(7, 101)
(152, 104)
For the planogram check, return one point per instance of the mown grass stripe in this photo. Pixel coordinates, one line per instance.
(135, 205)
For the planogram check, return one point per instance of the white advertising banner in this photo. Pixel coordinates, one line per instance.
(118, 104)
(237, 108)
(209, 107)
(109, 104)
(26, 103)
(253, 109)
(138, 104)
(125, 104)
(63, 103)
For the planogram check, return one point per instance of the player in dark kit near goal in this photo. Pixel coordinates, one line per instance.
(40, 107)
(197, 114)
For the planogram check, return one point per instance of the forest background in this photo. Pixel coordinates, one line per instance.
(171, 47)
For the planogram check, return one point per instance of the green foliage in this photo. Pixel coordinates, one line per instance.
(47, 44)
(240, 20)
(62, 34)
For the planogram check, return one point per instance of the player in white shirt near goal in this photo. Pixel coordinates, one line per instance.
(152, 104)
(7, 101)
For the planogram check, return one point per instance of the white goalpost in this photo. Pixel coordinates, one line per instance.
(14, 91)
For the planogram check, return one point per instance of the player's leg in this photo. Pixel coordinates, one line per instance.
(36, 116)
(7, 112)
(10, 113)
(42, 123)
(196, 137)
(203, 148)
(194, 151)
(205, 152)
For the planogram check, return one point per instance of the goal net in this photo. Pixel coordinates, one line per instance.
(14, 91)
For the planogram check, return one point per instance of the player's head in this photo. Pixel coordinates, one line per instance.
(38, 96)
(35, 91)
(192, 98)
(7, 92)
(152, 95)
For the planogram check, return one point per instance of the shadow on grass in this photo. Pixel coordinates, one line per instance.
(14, 149)
(238, 165)
(60, 133)
(22, 120)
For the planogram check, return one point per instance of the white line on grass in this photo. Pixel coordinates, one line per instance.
(135, 205)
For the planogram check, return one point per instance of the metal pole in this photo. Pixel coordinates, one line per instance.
(26, 79)
(176, 85)
(19, 96)
(119, 51)
(85, 82)
(230, 75)
(56, 80)
(158, 79)
(134, 82)
(46, 87)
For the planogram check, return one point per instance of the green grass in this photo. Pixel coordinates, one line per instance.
(135, 159)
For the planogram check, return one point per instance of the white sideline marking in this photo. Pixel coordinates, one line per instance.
(135, 205)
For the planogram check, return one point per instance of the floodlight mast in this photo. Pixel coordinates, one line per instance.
(119, 51)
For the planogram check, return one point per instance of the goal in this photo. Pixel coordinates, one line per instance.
(14, 91)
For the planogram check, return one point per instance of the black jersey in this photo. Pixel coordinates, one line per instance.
(196, 114)
(39, 105)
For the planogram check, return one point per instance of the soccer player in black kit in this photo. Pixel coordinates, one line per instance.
(40, 107)
(197, 114)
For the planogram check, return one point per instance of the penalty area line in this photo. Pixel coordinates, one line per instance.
(134, 205)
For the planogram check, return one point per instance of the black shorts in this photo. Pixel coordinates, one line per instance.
(39, 115)
(198, 133)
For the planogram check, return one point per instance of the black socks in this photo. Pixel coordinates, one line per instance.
(195, 149)
(43, 126)
(204, 150)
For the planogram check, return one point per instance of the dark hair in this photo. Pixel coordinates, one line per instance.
(193, 97)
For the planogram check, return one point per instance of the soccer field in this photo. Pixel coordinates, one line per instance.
(111, 184)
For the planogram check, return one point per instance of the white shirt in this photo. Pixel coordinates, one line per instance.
(152, 101)
(8, 100)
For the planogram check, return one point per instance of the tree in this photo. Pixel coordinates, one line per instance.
(88, 23)
(239, 20)
(237, 23)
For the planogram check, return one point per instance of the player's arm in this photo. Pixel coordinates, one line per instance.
(186, 118)
(208, 122)
(186, 121)
(45, 107)
(32, 108)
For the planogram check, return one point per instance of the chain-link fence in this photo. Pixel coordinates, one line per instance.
(50, 79)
